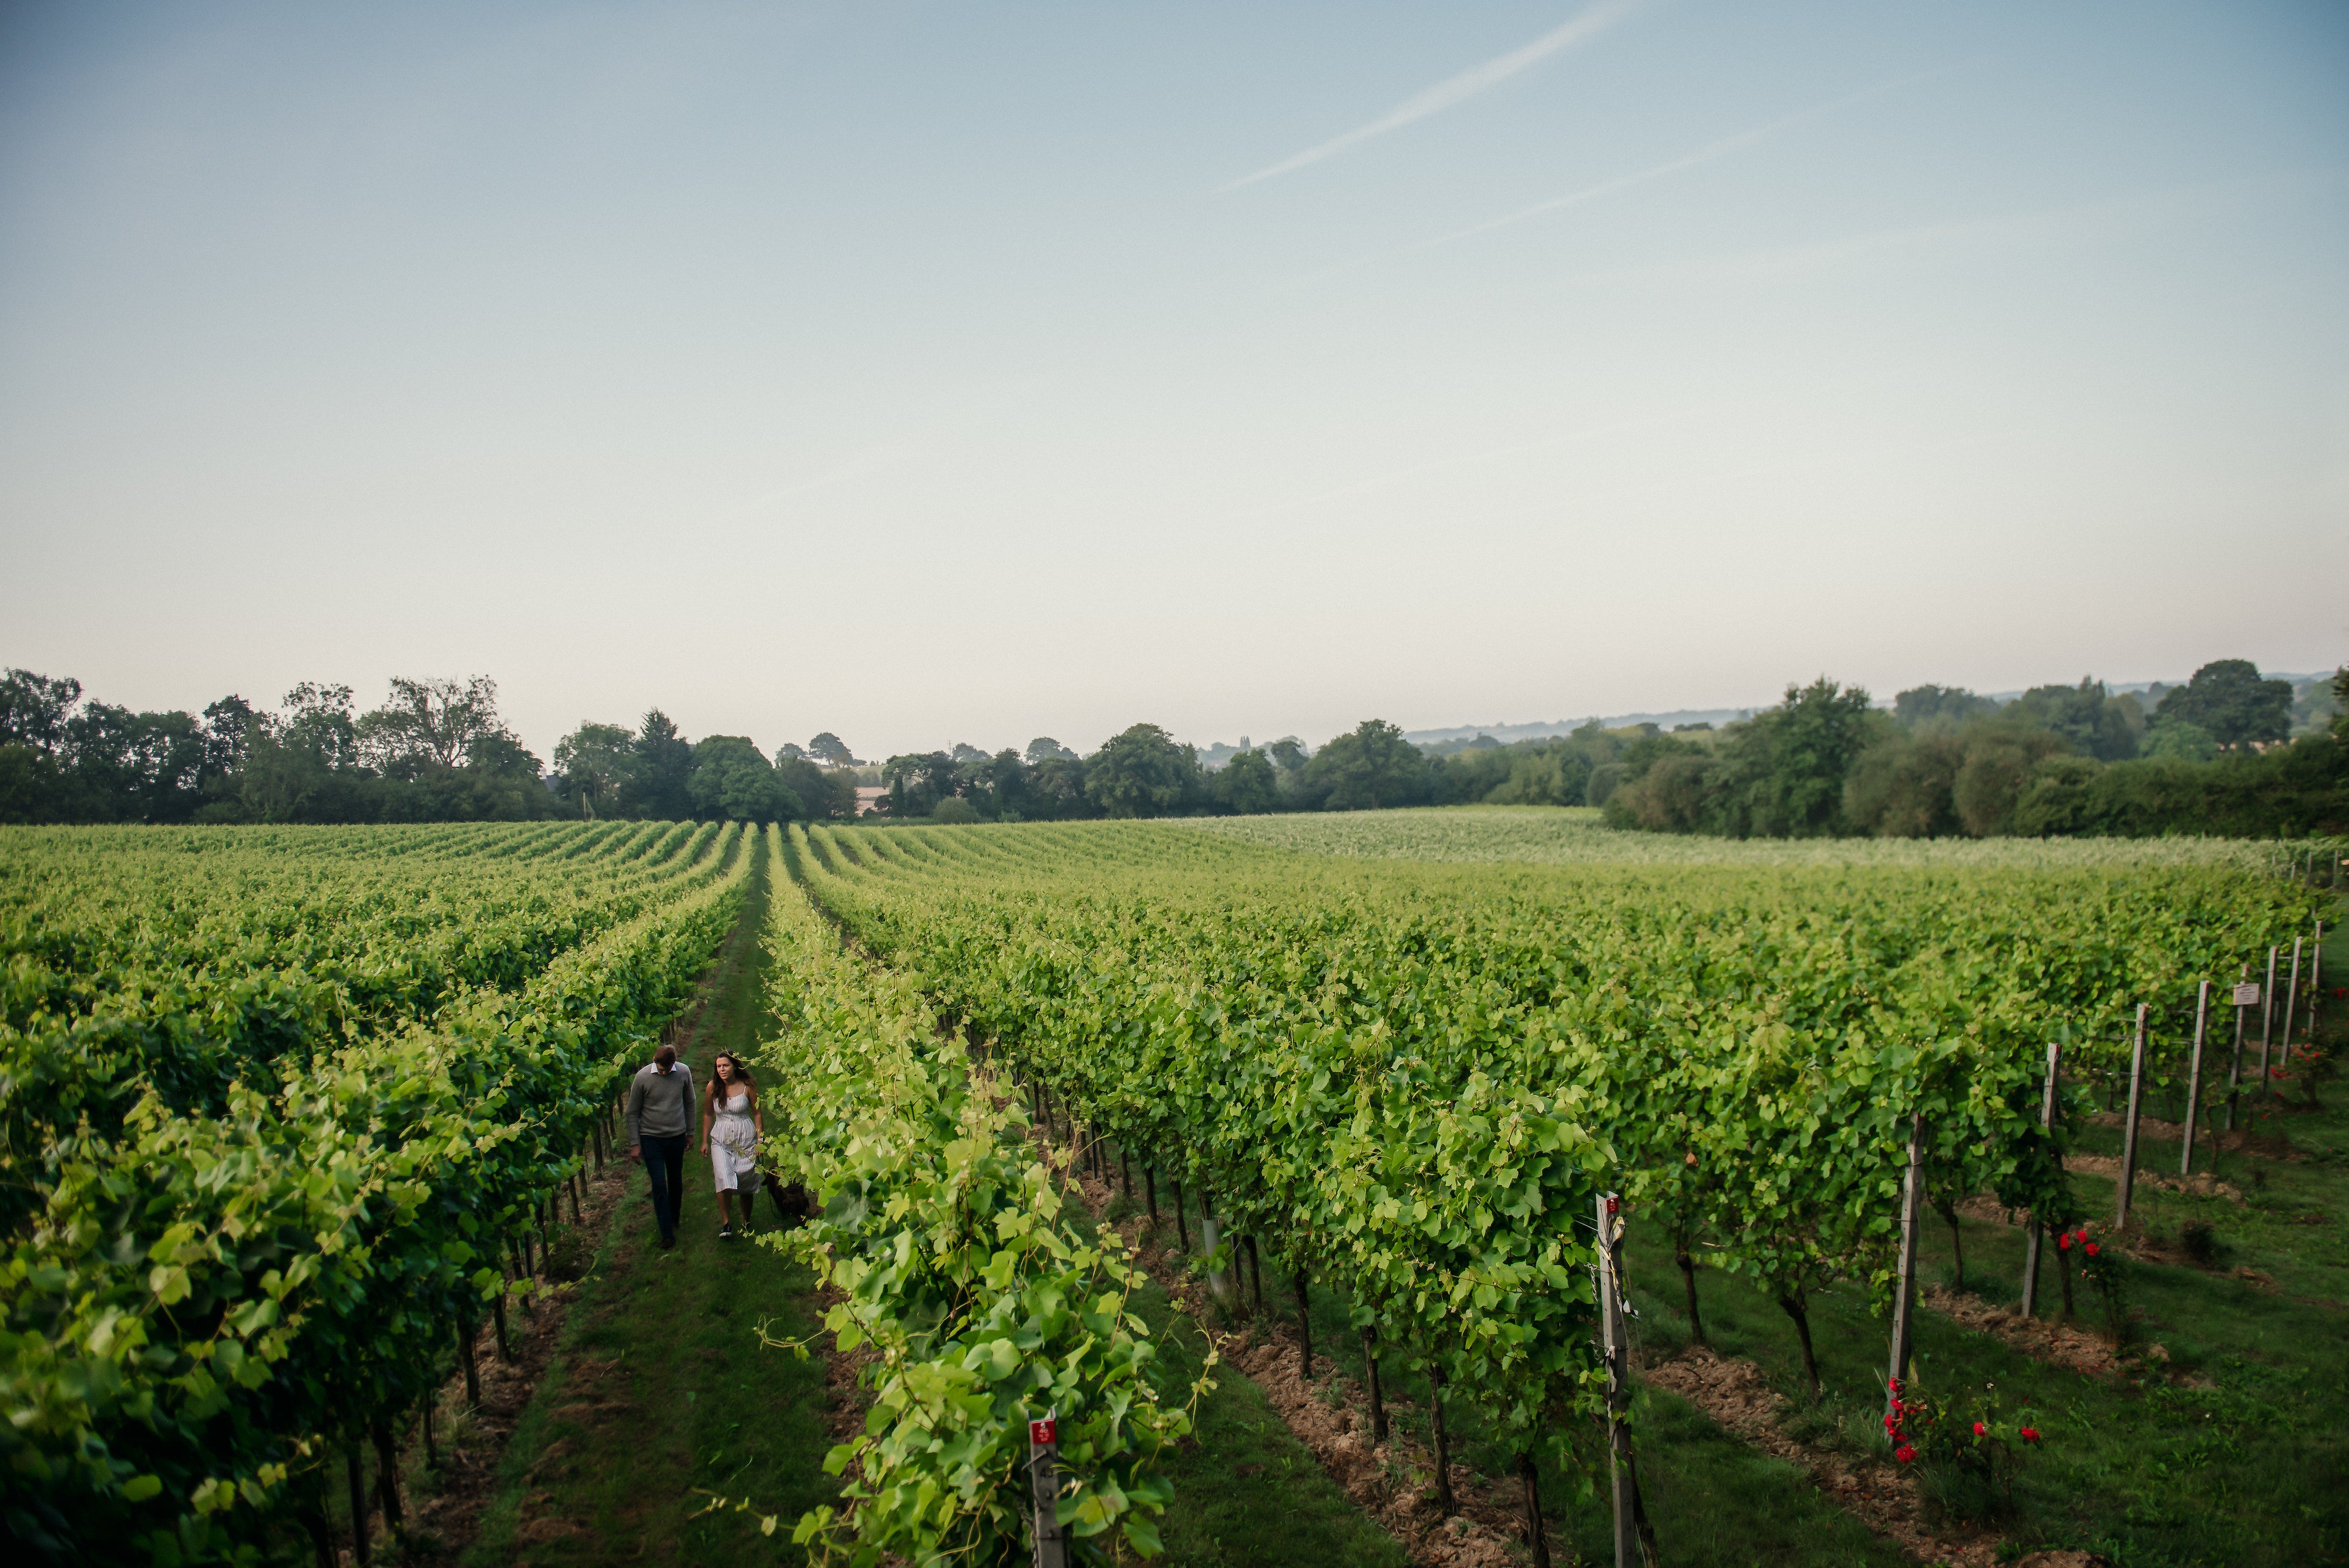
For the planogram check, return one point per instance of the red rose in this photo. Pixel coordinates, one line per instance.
(1979, 1428)
(2092, 1248)
(2063, 1242)
(2030, 1434)
(1904, 1453)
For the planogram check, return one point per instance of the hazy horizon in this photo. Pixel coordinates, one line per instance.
(928, 374)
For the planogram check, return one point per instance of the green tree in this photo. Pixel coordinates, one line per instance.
(1246, 785)
(34, 709)
(1044, 749)
(2091, 720)
(1921, 705)
(429, 721)
(826, 793)
(1141, 771)
(1056, 790)
(918, 781)
(2229, 700)
(2000, 761)
(1675, 793)
(1783, 771)
(733, 780)
(2180, 738)
(594, 762)
(830, 748)
(659, 771)
(1369, 766)
(1905, 786)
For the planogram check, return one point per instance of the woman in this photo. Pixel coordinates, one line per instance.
(735, 1127)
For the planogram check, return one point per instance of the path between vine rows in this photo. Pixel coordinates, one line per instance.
(651, 1394)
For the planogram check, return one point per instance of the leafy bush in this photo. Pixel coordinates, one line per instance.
(1967, 1451)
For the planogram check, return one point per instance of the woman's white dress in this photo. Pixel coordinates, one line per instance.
(734, 1147)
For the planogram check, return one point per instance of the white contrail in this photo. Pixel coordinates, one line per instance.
(1705, 154)
(1459, 89)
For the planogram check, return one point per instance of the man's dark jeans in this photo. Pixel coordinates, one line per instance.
(664, 1169)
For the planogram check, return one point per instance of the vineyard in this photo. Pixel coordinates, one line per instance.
(1405, 1086)
(285, 1109)
(1389, 1100)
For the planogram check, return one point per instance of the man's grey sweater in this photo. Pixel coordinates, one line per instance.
(663, 1105)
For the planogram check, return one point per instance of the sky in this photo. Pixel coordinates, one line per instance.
(930, 373)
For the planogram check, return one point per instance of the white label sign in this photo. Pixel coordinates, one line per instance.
(2248, 994)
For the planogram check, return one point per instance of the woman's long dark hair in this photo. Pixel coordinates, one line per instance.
(741, 1072)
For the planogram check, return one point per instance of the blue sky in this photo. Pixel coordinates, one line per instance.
(932, 373)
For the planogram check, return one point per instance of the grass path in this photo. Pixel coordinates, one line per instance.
(660, 1395)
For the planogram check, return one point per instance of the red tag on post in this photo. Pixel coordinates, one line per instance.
(1047, 1430)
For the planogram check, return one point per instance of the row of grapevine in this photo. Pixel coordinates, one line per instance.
(1411, 1080)
(942, 1230)
(258, 1196)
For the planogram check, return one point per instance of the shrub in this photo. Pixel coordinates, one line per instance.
(1966, 1452)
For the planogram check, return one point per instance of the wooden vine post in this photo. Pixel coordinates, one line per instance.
(2194, 1077)
(2315, 979)
(2266, 1024)
(1044, 1489)
(357, 1478)
(2290, 1002)
(2126, 1185)
(1220, 1285)
(1904, 1300)
(2247, 996)
(1621, 1482)
(2037, 1236)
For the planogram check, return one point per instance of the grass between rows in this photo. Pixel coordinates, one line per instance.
(660, 1399)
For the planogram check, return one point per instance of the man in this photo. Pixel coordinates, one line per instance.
(664, 1116)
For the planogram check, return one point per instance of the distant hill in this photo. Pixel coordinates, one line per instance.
(1505, 733)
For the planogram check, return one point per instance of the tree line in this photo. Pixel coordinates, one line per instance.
(2214, 755)
(435, 751)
